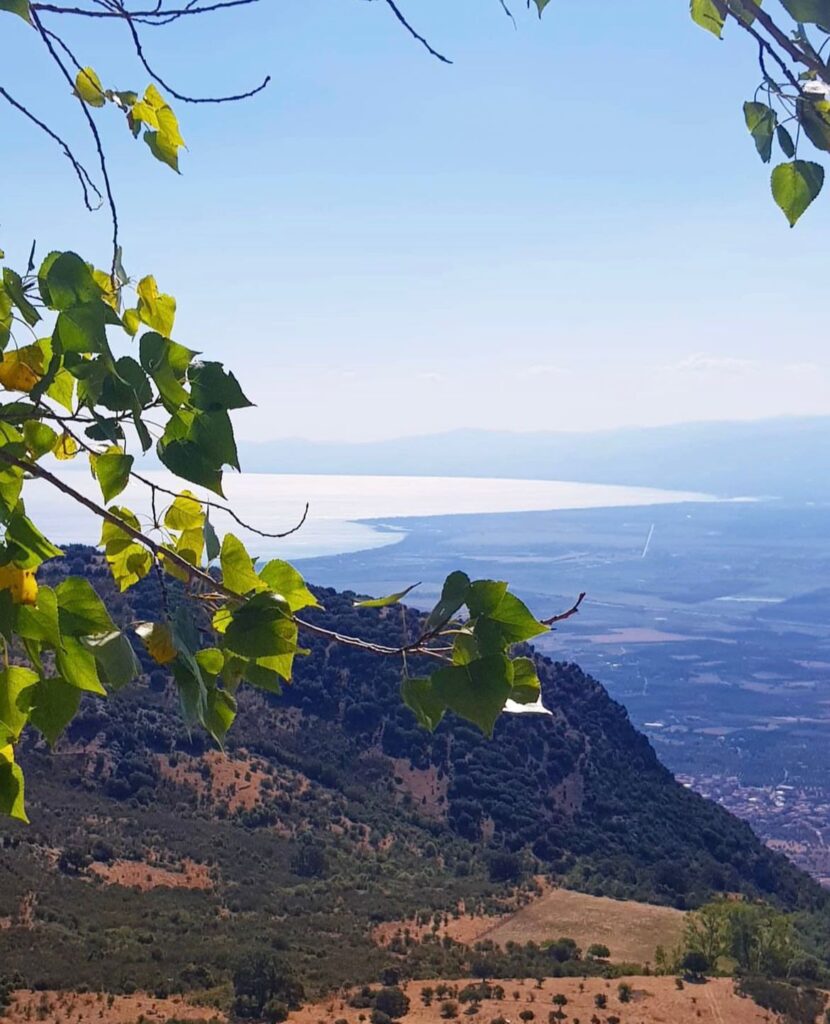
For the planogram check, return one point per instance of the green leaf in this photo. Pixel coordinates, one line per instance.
(54, 704)
(15, 700)
(129, 561)
(65, 281)
(526, 686)
(795, 185)
(113, 472)
(114, 657)
(477, 691)
(40, 438)
(814, 118)
(220, 712)
(485, 596)
(212, 546)
(213, 389)
(541, 5)
(88, 87)
(238, 572)
(27, 545)
(284, 580)
(453, 596)
(261, 627)
(384, 602)
(809, 12)
(187, 460)
(419, 696)
(13, 285)
(40, 621)
(761, 121)
(80, 609)
(785, 141)
(77, 666)
(11, 787)
(706, 14)
(81, 329)
(185, 513)
(510, 622)
(18, 7)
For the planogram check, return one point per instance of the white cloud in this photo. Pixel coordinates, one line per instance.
(702, 363)
(431, 377)
(542, 370)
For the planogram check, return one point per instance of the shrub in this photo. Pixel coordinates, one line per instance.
(600, 1000)
(598, 951)
(449, 1009)
(624, 991)
(392, 1002)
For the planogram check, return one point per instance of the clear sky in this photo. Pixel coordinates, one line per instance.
(568, 228)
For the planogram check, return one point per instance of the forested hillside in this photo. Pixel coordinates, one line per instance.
(151, 856)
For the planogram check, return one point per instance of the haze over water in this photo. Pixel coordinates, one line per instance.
(275, 503)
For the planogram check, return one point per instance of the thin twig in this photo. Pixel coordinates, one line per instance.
(83, 175)
(415, 35)
(565, 615)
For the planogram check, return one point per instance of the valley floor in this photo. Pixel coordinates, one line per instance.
(654, 1000)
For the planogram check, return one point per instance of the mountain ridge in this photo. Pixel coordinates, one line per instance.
(332, 812)
(787, 457)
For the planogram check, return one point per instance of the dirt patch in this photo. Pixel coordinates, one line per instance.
(632, 931)
(138, 874)
(427, 789)
(240, 782)
(75, 1008)
(654, 1001)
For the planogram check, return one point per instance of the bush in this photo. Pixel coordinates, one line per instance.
(624, 991)
(527, 1015)
(449, 1009)
(600, 1000)
(695, 964)
(598, 951)
(392, 1002)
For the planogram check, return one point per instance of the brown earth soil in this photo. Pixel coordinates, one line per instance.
(95, 1008)
(237, 780)
(138, 874)
(654, 1001)
(632, 931)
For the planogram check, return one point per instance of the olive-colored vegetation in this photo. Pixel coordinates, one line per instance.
(313, 829)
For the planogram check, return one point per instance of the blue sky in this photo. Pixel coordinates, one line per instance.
(568, 228)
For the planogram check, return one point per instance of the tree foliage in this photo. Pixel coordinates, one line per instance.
(92, 369)
(790, 108)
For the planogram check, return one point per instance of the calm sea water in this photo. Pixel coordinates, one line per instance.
(274, 503)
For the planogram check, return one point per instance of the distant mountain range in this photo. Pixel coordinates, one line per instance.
(786, 458)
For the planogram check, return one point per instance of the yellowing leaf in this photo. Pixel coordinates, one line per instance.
(169, 126)
(108, 293)
(158, 639)
(154, 308)
(66, 448)
(21, 584)
(21, 369)
(88, 87)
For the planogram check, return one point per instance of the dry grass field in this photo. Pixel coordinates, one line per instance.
(97, 1008)
(654, 1001)
(632, 931)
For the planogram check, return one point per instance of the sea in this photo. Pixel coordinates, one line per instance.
(345, 513)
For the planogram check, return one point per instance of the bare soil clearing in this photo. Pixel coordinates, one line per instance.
(654, 1001)
(138, 874)
(632, 931)
(96, 1008)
